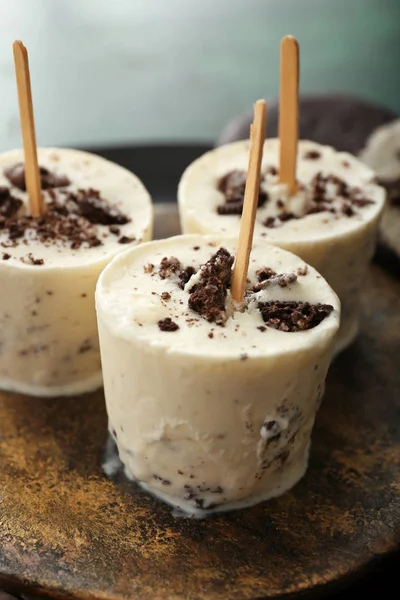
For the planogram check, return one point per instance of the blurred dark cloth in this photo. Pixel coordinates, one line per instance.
(344, 122)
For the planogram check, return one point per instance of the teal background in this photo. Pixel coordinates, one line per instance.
(130, 71)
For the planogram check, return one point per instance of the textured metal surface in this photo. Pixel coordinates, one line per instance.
(66, 529)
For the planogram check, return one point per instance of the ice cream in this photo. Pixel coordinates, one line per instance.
(331, 222)
(382, 154)
(49, 266)
(212, 408)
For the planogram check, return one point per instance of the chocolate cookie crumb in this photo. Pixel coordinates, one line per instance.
(114, 229)
(208, 299)
(262, 328)
(208, 296)
(57, 224)
(233, 185)
(265, 273)
(185, 275)
(89, 204)
(211, 335)
(244, 356)
(219, 266)
(6, 256)
(168, 266)
(126, 240)
(312, 155)
(348, 210)
(196, 247)
(293, 316)
(165, 296)
(167, 325)
(283, 280)
(16, 176)
(33, 261)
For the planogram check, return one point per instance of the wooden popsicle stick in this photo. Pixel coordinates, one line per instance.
(32, 175)
(289, 112)
(257, 137)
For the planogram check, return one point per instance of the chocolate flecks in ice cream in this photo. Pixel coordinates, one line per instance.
(172, 268)
(90, 205)
(31, 260)
(265, 273)
(326, 193)
(167, 325)
(124, 239)
(233, 185)
(312, 155)
(282, 280)
(293, 316)
(16, 176)
(168, 267)
(208, 296)
(69, 219)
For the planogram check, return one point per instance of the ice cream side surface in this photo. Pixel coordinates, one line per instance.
(331, 222)
(49, 265)
(212, 407)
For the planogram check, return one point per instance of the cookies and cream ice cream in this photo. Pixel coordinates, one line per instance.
(212, 407)
(49, 265)
(331, 222)
(382, 154)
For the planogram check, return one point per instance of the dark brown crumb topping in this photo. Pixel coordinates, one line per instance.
(233, 185)
(16, 176)
(293, 316)
(30, 259)
(124, 239)
(208, 296)
(322, 200)
(171, 267)
(90, 205)
(72, 220)
(264, 274)
(167, 325)
(281, 279)
(312, 155)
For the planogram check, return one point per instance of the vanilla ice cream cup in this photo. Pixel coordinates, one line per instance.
(211, 407)
(331, 222)
(49, 266)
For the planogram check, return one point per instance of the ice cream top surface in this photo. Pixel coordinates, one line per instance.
(176, 293)
(336, 192)
(93, 208)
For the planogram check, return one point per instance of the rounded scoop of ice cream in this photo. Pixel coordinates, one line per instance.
(382, 154)
(344, 122)
(49, 265)
(212, 407)
(331, 222)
